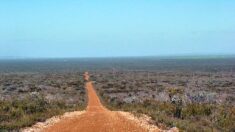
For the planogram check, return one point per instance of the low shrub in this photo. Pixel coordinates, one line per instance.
(195, 117)
(17, 114)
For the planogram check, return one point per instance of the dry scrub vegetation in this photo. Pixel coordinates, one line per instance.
(191, 101)
(27, 98)
(190, 93)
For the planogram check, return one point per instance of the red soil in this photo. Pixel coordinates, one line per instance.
(96, 118)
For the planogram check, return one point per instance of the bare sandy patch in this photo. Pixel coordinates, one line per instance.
(145, 122)
(40, 126)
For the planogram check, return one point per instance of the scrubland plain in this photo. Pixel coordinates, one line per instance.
(193, 94)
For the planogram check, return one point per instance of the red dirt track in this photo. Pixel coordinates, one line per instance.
(96, 118)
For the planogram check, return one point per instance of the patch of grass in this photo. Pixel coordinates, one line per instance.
(17, 114)
(195, 117)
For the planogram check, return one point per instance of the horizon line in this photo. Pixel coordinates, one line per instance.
(147, 56)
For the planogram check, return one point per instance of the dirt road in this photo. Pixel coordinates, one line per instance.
(96, 118)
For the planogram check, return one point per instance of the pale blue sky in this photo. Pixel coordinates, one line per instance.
(106, 28)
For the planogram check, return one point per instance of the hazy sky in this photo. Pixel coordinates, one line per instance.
(78, 28)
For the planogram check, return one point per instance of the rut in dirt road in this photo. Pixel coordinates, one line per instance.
(96, 118)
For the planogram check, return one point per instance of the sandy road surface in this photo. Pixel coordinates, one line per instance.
(96, 118)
